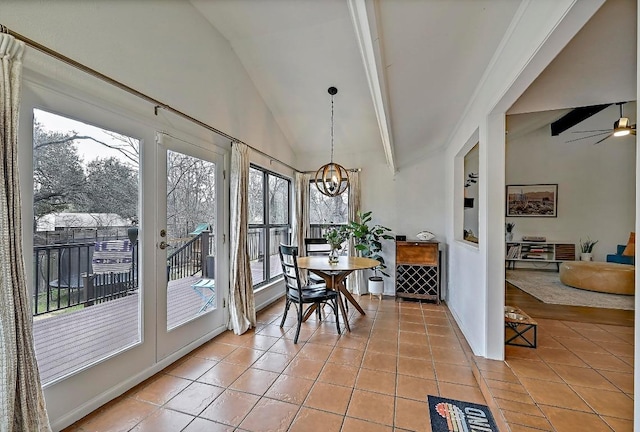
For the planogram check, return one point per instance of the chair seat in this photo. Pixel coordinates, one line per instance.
(312, 294)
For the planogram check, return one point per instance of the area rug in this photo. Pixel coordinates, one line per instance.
(546, 287)
(450, 415)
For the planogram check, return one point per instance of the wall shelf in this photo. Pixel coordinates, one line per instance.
(547, 252)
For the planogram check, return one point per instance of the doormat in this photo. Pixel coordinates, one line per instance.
(450, 415)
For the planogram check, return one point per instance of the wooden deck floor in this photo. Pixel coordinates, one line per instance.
(71, 341)
(68, 342)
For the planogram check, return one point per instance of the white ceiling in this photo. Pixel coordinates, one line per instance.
(430, 56)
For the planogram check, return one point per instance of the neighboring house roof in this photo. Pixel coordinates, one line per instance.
(54, 221)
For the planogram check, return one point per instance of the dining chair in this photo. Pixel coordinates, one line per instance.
(316, 246)
(300, 295)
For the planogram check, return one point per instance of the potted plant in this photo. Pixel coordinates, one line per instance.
(509, 227)
(336, 236)
(586, 249)
(471, 179)
(368, 242)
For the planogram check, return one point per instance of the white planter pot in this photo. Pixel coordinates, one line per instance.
(586, 256)
(376, 286)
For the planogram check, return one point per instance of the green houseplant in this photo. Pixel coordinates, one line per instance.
(586, 249)
(368, 240)
(335, 237)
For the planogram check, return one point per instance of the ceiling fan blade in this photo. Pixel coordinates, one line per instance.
(597, 130)
(590, 136)
(608, 136)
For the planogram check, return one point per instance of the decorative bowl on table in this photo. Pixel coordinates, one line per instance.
(425, 235)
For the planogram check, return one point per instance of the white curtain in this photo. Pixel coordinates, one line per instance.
(355, 281)
(242, 307)
(301, 226)
(22, 406)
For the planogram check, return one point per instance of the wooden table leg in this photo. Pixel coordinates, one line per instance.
(344, 313)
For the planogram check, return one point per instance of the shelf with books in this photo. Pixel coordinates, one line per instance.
(551, 252)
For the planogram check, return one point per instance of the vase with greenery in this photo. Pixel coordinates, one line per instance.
(336, 236)
(509, 227)
(586, 249)
(368, 240)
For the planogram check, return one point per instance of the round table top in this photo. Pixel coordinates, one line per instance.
(345, 263)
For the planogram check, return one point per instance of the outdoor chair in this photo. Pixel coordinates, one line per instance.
(300, 295)
(110, 277)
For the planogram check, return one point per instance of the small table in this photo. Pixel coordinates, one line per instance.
(334, 275)
(523, 328)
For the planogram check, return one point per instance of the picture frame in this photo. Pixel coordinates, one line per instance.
(532, 200)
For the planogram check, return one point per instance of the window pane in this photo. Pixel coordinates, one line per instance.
(277, 236)
(324, 210)
(278, 200)
(256, 196)
(255, 242)
(85, 203)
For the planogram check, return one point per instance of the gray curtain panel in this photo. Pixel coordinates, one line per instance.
(301, 225)
(22, 406)
(355, 281)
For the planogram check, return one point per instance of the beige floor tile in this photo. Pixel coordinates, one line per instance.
(261, 342)
(160, 390)
(315, 351)
(623, 381)
(443, 341)
(255, 381)
(312, 420)
(513, 396)
(518, 352)
(357, 425)
(353, 342)
(195, 398)
(243, 356)
(273, 362)
(379, 361)
(324, 339)
(339, 374)
(203, 425)
(520, 428)
(533, 421)
(414, 350)
(533, 369)
(164, 420)
(373, 407)
(605, 362)
(329, 397)
(119, 416)
(507, 376)
(290, 389)
(413, 327)
(619, 425)
(554, 394)
(304, 368)
(582, 376)
(461, 392)
(269, 415)
(524, 408)
(273, 330)
(231, 338)
(230, 408)
(376, 381)
(455, 374)
(505, 385)
(413, 338)
(192, 368)
(416, 367)
(438, 330)
(383, 346)
(560, 356)
(608, 403)
(564, 420)
(415, 388)
(222, 374)
(412, 415)
(286, 346)
(346, 356)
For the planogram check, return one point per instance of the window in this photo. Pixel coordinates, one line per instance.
(326, 211)
(269, 222)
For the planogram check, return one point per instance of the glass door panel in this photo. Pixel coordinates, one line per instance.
(86, 298)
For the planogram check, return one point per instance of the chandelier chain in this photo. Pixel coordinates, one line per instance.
(331, 128)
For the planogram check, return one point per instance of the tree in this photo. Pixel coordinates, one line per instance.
(58, 177)
(112, 187)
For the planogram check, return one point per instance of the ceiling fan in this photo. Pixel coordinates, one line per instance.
(621, 127)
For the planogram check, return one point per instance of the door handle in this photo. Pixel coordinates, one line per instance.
(162, 245)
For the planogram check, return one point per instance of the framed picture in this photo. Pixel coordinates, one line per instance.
(536, 200)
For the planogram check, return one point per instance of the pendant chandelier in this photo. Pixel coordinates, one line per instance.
(332, 179)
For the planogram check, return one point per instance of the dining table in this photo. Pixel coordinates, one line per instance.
(334, 275)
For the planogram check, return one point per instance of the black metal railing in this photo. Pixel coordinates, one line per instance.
(256, 243)
(64, 279)
(193, 257)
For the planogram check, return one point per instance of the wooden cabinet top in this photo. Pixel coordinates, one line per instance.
(417, 252)
(412, 242)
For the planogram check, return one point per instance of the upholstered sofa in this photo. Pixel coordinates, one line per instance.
(621, 259)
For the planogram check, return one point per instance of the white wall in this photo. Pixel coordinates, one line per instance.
(596, 183)
(476, 277)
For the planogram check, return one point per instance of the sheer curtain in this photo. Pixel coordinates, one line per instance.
(355, 281)
(301, 226)
(22, 406)
(242, 308)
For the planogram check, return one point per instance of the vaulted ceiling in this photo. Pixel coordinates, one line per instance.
(405, 69)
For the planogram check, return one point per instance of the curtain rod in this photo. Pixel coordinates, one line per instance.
(157, 104)
(348, 169)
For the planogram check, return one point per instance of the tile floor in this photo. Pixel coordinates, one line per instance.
(377, 378)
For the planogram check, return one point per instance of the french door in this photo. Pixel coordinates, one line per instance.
(191, 248)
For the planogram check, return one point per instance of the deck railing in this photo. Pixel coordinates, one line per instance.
(191, 258)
